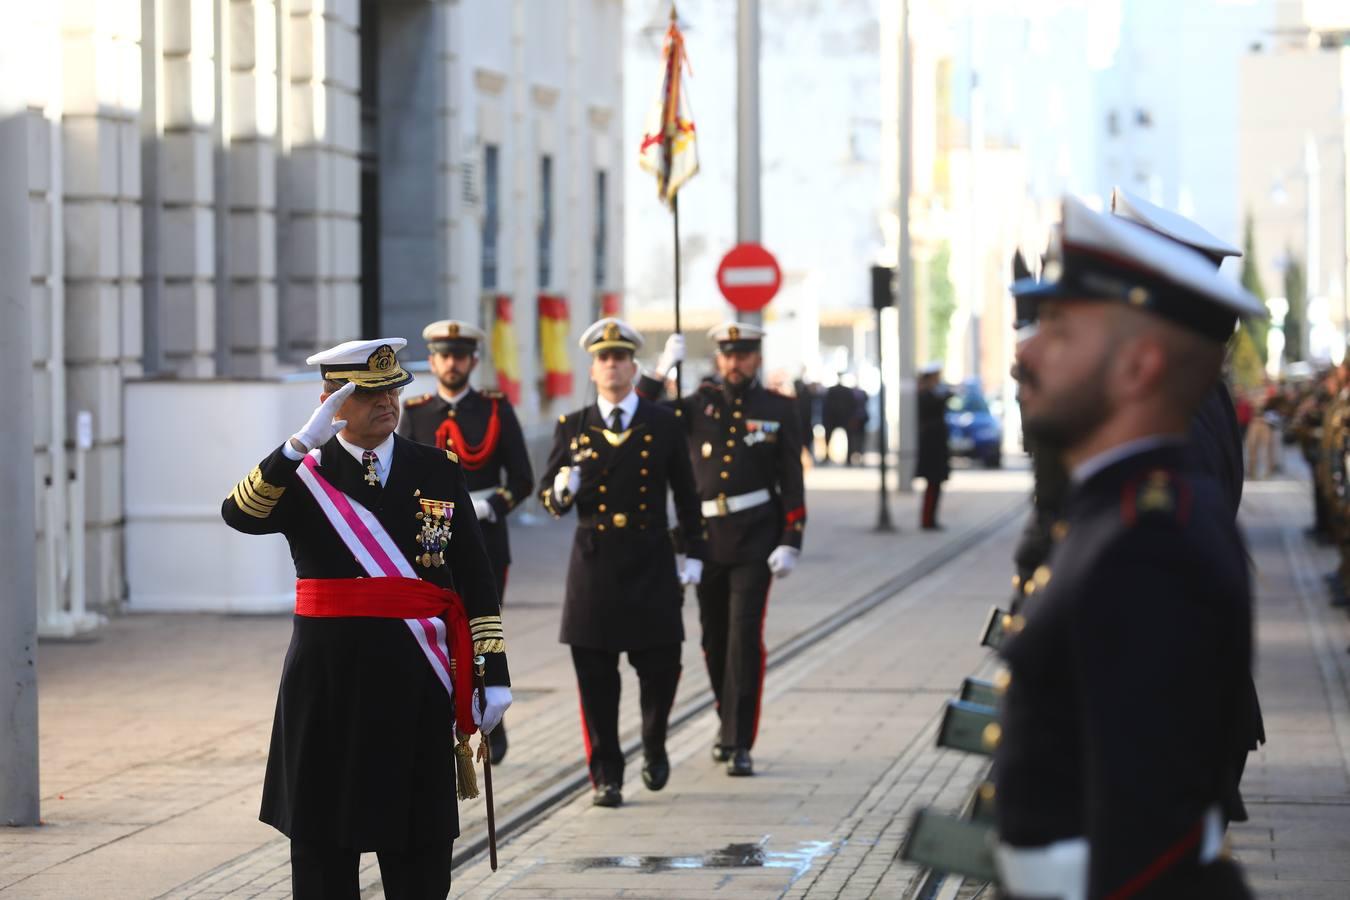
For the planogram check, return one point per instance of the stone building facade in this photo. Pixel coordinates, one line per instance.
(219, 187)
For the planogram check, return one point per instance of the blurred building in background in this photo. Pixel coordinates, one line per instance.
(219, 187)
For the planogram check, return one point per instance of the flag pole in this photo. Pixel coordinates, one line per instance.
(675, 215)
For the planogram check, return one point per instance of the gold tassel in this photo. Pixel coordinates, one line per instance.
(466, 778)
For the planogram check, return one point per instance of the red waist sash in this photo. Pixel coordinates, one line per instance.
(399, 598)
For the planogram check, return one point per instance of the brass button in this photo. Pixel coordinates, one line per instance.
(1006, 621)
(1002, 679)
(1016, 624)
(642, 471)
(642, 489)
(726, 475)
(731, 443)
(991, 736)
(736, 414)
(732, 429)
(647, 438)
(727, 458)
(620, 520)
(642, 507)
(1060, 530)
(603, 489)
(1041, 576)
(602, 507)
(600, 527)
(738, 401)
(987, 792)
(644, 454)
(1017, 582)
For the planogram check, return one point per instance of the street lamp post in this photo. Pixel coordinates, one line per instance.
(883, 295)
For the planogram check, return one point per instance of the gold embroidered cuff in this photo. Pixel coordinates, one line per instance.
(255, 497)
(496, 645)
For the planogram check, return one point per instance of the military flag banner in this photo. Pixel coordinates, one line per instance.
(505, 358)
(669, 145)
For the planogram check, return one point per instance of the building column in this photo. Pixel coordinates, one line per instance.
(102, 255)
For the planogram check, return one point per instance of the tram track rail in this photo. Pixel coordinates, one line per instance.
(573, 780)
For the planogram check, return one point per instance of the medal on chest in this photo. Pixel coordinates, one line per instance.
(435, 516)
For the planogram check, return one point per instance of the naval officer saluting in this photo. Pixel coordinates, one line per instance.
(393, 587)
(614, 461)
(1125, 692)
(482, 429)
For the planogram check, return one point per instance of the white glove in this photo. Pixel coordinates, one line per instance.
(672, 354)
(321, 426)
(567, 482)
(498, 699)
(783, 560)
(484, 511)
(691, 572)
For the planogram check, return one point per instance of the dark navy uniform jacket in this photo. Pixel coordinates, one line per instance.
(739, 442)
(622, 589)
(501, 464)
(361, 754)
(1127, 676)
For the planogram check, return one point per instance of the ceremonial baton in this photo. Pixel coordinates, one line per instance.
(486, 755)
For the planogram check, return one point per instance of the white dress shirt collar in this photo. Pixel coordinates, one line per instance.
(628, 404)
(384, 456)
(452, 399)
(1094, 464)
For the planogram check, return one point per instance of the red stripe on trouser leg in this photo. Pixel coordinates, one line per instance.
(585, 735)
(1165, 860)
(763, 661)
(930, 496)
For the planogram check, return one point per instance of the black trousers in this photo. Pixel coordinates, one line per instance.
(732, 601)
(658, 670)
(321, 872)
(932, 493)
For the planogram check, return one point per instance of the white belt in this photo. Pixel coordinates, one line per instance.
(1060, 870)
(725, 506)
(484, 494)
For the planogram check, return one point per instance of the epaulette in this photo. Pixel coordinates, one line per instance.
(416, 401)
(1159, 493)
(452, 456)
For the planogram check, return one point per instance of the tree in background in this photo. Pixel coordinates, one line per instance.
(941, 301)
(1247, 349)
(1295, 292)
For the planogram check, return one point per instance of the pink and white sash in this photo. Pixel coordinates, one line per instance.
(377, 553)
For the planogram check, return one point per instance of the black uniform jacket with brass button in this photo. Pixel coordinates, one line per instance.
(1126, 694)
(622, 589)
(501, 465)
(361, 753)
(742, 442)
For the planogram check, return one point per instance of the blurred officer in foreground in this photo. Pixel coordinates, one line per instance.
(745, 442)
(934, 463)
(393, 587)
(483, 431)
(1126, 674)
(614, 461)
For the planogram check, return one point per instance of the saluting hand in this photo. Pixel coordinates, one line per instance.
(322, 425)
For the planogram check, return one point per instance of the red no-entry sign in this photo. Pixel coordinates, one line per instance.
(749, 277)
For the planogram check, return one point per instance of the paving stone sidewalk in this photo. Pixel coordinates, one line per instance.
(154, 736)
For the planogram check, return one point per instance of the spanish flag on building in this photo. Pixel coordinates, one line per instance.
(504, 355)
(554, 341)
(669, 147)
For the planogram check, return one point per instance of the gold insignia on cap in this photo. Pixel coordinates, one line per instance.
(382, 360)
(733, 333)
(453, 330)
(611, 332)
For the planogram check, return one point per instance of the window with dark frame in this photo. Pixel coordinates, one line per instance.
(601, 224)
(491, 223)
(545, 237)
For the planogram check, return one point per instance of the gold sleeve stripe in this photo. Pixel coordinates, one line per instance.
(245, 506)
(485, 620)
(492, 646)
(270, 491)
(246, 491)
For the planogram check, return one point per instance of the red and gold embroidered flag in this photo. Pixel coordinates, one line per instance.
(669, 147)
(505, 358)
(554, 337)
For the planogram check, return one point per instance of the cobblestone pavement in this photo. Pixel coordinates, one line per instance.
(154, 737)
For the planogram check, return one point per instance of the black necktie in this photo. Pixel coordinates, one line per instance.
(616, 420)
(371, 461)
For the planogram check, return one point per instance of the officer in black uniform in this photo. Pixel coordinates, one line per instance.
(746, 446)
(362, 744)
(614, 462)
(482, 429)
(934, 463)
(1124, 696)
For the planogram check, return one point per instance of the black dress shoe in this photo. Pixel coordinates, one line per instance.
(610, 795)
(720, 754)
(656, 772)
(740, 763)
(497, 743)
